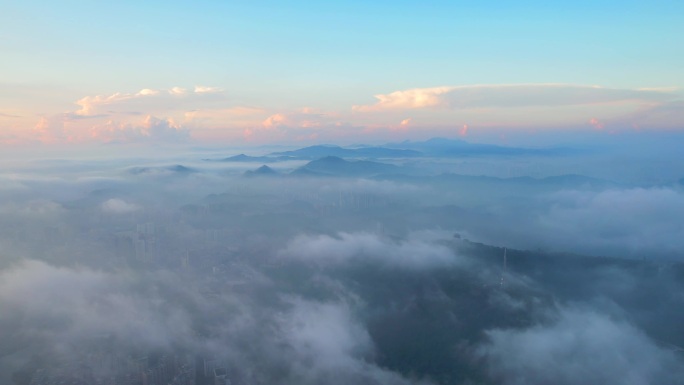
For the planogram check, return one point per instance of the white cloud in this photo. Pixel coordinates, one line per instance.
(151, 129)
(632, 223)
(408, 99)
(420, 250)
(326, 333)
(62, 306)
(306, 118)
(332, 346)
(145, 101)
(579, 347)
(207, 90)
(35, 209)
(118, 206)
(510, 95)
(178, 91)
(637, 222)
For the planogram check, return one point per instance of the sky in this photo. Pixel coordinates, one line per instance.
(265, 72)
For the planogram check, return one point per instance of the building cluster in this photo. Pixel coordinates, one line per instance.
(102, 368)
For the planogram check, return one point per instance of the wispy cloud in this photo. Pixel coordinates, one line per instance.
(555, 353)
(207, 113)
(510, 95)
(146, 100)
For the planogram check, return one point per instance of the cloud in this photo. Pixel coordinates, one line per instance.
(146, 101)
(463, 131)
(275, 120)
(305, 118)
(579, 346)
(331, 346)
(58, 307)
(207, 90)
(634, 222)
(151, 129)
(118, 206)
(408, 99)
(305, 125)
(232, 115)
(597, 124)
(402, 114)
(326, 333)
(11, 139)
(178, 91)
(510, 95)
(225, 124)
(404, 125)
(420, 251)
(349, 306)
(629, 223)
(40, 209)
(50, 130)
(668, 115)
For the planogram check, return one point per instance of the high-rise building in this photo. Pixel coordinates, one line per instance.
(221, 376)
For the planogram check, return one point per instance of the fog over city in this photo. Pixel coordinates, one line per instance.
(439, 261)
(290, 192)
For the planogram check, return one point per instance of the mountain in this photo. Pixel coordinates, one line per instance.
(442, 147)
(435, 148)
(336, 166)
(246, 158)
(261, 171)
(162, 170)
(571, 181)
(316, 152)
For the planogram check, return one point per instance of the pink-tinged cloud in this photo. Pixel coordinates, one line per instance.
(509, 96)
(275, 120)
(597, 124)
(50, 130)
(668, 115)
(207, 114)
(305, 118)
(178, 91)
(207, 90)
(408, 99)
(402, 127)
(222, 119)
(151, 129)
(146, 101)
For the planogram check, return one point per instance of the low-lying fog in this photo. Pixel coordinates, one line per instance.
(442, 264)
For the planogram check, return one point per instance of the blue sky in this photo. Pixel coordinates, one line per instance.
(288, 57)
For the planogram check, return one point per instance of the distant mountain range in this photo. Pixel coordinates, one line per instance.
(316, 152)
(432, 148)
(331, 166)
(248, 159)
(261, 171)
(447, 148)
(335, 166)
(162, 170)
(558, 181)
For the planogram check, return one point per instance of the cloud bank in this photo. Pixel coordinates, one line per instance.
(510, 96)
(418, 251)
(579, 346)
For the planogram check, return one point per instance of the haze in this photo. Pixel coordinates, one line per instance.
(386, 193)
